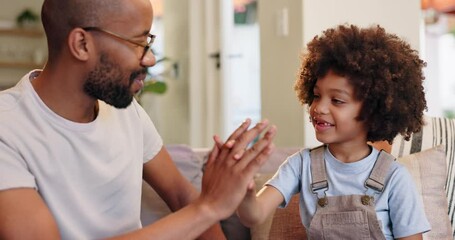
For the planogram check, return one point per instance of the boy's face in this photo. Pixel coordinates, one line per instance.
(334, 110)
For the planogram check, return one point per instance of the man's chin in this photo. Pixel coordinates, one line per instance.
(124, 103)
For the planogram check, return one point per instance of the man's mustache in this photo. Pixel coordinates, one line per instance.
(137, 73)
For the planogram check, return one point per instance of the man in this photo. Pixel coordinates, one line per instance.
(74, 143)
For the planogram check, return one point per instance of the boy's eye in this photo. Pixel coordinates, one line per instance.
(337, 101)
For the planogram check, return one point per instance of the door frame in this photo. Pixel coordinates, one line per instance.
(205, 103)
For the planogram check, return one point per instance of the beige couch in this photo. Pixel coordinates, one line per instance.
(430, 163)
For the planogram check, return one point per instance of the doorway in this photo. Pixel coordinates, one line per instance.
(224, 77)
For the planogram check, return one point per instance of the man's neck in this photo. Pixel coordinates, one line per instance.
(64, 96)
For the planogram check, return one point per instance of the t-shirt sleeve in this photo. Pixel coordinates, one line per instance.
(14, 171)
(152, 139)
(406, 212)
(288, 178)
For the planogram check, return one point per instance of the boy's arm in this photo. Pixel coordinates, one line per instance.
(255, 209)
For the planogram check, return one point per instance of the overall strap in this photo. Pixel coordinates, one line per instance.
(317, 167)
(376, 180)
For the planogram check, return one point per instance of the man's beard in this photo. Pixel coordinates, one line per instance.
(106, 83)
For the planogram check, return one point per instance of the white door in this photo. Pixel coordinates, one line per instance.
(224, 81)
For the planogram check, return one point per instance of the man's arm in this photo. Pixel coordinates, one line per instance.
(164, 177)
(228, 173)
(229, 170)
(24, 215)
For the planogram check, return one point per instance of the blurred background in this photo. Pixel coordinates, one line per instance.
(221, 61)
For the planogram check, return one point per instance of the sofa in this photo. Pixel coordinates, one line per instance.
(429, 157)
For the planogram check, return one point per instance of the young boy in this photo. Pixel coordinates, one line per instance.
(361, 85)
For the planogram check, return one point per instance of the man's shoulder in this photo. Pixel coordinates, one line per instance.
(10, 100)
(11, 97)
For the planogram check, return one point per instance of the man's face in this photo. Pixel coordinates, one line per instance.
(109, 83)
(121, 67)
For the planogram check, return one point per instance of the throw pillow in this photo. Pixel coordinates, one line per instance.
(428, 169)
(436, 131)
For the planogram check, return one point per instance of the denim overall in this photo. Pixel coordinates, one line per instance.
(349, 216)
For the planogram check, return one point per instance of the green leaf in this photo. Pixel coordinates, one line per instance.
(27, 15)
(155, 87)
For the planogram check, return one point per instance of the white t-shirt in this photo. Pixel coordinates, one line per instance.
(399, 208)
(89, 174)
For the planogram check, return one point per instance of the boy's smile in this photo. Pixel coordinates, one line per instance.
(321, 125)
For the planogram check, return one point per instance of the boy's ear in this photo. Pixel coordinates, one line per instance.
(80, 43)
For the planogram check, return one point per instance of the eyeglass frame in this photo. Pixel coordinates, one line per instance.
(146, 47)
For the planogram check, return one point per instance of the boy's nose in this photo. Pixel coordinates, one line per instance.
(320, 109)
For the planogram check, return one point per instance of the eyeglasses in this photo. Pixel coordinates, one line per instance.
(147, 47)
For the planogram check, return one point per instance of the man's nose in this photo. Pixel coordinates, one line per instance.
(148, 60)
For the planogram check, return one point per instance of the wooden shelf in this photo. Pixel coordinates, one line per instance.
(29, 65)
(15, 33)
(24, 32)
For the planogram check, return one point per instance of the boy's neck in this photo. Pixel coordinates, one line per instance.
(349, 154)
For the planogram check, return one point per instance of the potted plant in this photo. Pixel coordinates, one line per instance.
(27, 18)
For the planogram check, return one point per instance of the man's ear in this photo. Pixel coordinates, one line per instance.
(80, 44)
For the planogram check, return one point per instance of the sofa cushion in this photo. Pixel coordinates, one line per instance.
(281, 227)
(437, 130)
(428, 169)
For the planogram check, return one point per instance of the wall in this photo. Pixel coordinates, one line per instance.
(400, 17)
(170, 111)
(11, 43)
(307, 18)
(279, 66)
(175, 101)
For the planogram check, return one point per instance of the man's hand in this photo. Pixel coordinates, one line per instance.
(231, 167)
(228, 172)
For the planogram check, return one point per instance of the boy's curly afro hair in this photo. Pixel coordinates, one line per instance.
(385, 72)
